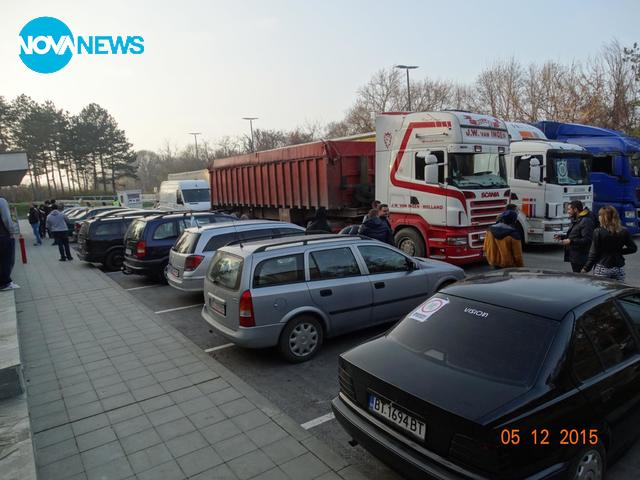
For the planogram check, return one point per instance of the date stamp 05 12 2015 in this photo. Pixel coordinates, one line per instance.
(544, 436)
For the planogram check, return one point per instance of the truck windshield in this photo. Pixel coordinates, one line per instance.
(477, 170)
(568, 170)
(634, 164)
(196, 195)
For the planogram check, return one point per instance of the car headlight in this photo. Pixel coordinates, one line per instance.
(630, 214)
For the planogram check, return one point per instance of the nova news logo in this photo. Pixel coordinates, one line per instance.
(47, 45)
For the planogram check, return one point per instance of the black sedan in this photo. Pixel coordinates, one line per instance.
(517, 374)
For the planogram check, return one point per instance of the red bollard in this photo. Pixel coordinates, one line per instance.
(23, 249)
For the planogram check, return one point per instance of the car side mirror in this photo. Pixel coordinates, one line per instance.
(411, 265)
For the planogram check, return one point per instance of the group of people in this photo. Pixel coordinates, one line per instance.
(38, 219)
(592, 242)
(374, 225)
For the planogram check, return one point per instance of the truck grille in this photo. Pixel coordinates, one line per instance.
(484, 212)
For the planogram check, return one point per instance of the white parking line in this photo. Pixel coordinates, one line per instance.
(317, 421)
(219, 347)
(179, 308)
(140, 288)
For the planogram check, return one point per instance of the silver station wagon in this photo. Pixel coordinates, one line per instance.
(190, 256)
(293, 292)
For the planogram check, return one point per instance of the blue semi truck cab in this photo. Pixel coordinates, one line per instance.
(615, 169)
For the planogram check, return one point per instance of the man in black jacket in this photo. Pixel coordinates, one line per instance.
(577, 240)
(34, 221)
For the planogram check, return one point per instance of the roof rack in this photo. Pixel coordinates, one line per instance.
(328, 237)
(264, 237)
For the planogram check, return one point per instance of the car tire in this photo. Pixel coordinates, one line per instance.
(301, 339)
(113, 261)
(590, 463)
(410, 242)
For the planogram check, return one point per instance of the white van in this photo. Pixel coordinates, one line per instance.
(184, 195)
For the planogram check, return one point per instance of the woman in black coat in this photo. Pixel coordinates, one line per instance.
(610, 242)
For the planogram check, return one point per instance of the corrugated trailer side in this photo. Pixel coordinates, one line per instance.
(292, 182)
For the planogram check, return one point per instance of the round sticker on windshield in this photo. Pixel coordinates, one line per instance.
(424, 311)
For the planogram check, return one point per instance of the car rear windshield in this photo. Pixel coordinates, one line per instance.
(186, 242)
(136, 229)
(496, 343)
(226, 270)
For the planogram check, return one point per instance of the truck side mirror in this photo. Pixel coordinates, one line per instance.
(534, 170)
(179, 199)
(431, 169)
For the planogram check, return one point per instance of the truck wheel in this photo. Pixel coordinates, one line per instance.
(410, 242)
(589, 464)
(301, 339)
(113, 260)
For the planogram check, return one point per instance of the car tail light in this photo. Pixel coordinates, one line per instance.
(77, 227)
(192, 262)
(246, 310)
(141, 249)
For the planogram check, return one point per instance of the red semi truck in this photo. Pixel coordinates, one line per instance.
(443, 175)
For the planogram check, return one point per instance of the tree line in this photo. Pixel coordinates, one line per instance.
(88, 151)
(67, 153)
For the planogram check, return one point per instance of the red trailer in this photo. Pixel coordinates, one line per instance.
(290, 183)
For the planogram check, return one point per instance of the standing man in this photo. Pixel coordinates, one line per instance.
(503, 242)
(383, 214)
(577, 240)
(57, 225)
(7, 246)
(44, 211)
(34, 221)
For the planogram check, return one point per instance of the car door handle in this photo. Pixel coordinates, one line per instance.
(378, 285)
(606, 394)
(326, 293)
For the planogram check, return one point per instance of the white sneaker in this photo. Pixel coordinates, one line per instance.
(11, 286)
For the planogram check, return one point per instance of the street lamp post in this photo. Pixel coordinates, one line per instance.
(407, 68)
(251, 119)
(195, 137)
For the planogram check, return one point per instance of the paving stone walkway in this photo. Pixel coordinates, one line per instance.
(115, 393)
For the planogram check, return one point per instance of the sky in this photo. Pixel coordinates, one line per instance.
(207, 64)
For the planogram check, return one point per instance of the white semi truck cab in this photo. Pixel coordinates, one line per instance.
(444, 177)
(544, 177)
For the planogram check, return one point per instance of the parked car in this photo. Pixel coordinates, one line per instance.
(516, 374)
(74, 221)
(100, 240)
(148, 240)
(294, 292)
(190, 256)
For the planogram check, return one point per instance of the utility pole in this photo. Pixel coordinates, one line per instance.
(251, 119)
(195, 138)
(407, 68)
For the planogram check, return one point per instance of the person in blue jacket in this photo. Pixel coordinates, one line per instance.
(377, 226)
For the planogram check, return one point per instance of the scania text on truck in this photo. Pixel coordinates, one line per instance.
(615, 169)
(544, 177)
(442, 174)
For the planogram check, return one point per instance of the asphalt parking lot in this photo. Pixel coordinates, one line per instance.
(304, 391)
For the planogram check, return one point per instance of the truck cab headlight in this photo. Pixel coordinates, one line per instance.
(630, 214)
(457, 240)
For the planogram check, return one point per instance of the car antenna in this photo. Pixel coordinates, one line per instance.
(237, 232)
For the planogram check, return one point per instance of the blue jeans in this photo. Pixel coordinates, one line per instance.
(36, 232)
(7, 256)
